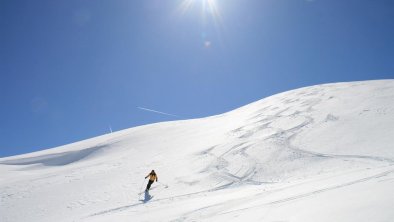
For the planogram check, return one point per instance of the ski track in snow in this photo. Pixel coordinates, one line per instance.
(221, 208)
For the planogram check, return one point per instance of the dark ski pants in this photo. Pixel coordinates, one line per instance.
(149, 184)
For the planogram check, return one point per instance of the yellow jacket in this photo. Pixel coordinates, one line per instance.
(152, 177)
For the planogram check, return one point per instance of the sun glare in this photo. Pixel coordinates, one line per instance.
(208, 7)
(209, 15)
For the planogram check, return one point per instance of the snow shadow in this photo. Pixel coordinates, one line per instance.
(57, 159)
(147, 197)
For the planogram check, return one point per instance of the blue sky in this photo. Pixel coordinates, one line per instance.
(70, 69)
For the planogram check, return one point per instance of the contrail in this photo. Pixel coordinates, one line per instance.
(155, 111)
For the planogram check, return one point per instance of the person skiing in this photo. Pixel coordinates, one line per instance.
(152, 177)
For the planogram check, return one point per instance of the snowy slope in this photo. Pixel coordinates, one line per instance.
(320, 153)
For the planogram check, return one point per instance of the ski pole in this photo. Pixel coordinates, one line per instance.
(142, 184)
(165, 185)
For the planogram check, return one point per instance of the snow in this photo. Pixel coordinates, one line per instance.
(320, 153)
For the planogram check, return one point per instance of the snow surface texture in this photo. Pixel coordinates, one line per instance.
(321, 153)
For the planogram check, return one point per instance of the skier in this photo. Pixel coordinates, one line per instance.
(152, 177)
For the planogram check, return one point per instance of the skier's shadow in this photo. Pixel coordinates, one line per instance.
(147, 197)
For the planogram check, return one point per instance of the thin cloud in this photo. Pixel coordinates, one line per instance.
(155, 111)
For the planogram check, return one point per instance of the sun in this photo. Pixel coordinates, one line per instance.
(209, 17)
(208, 7)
